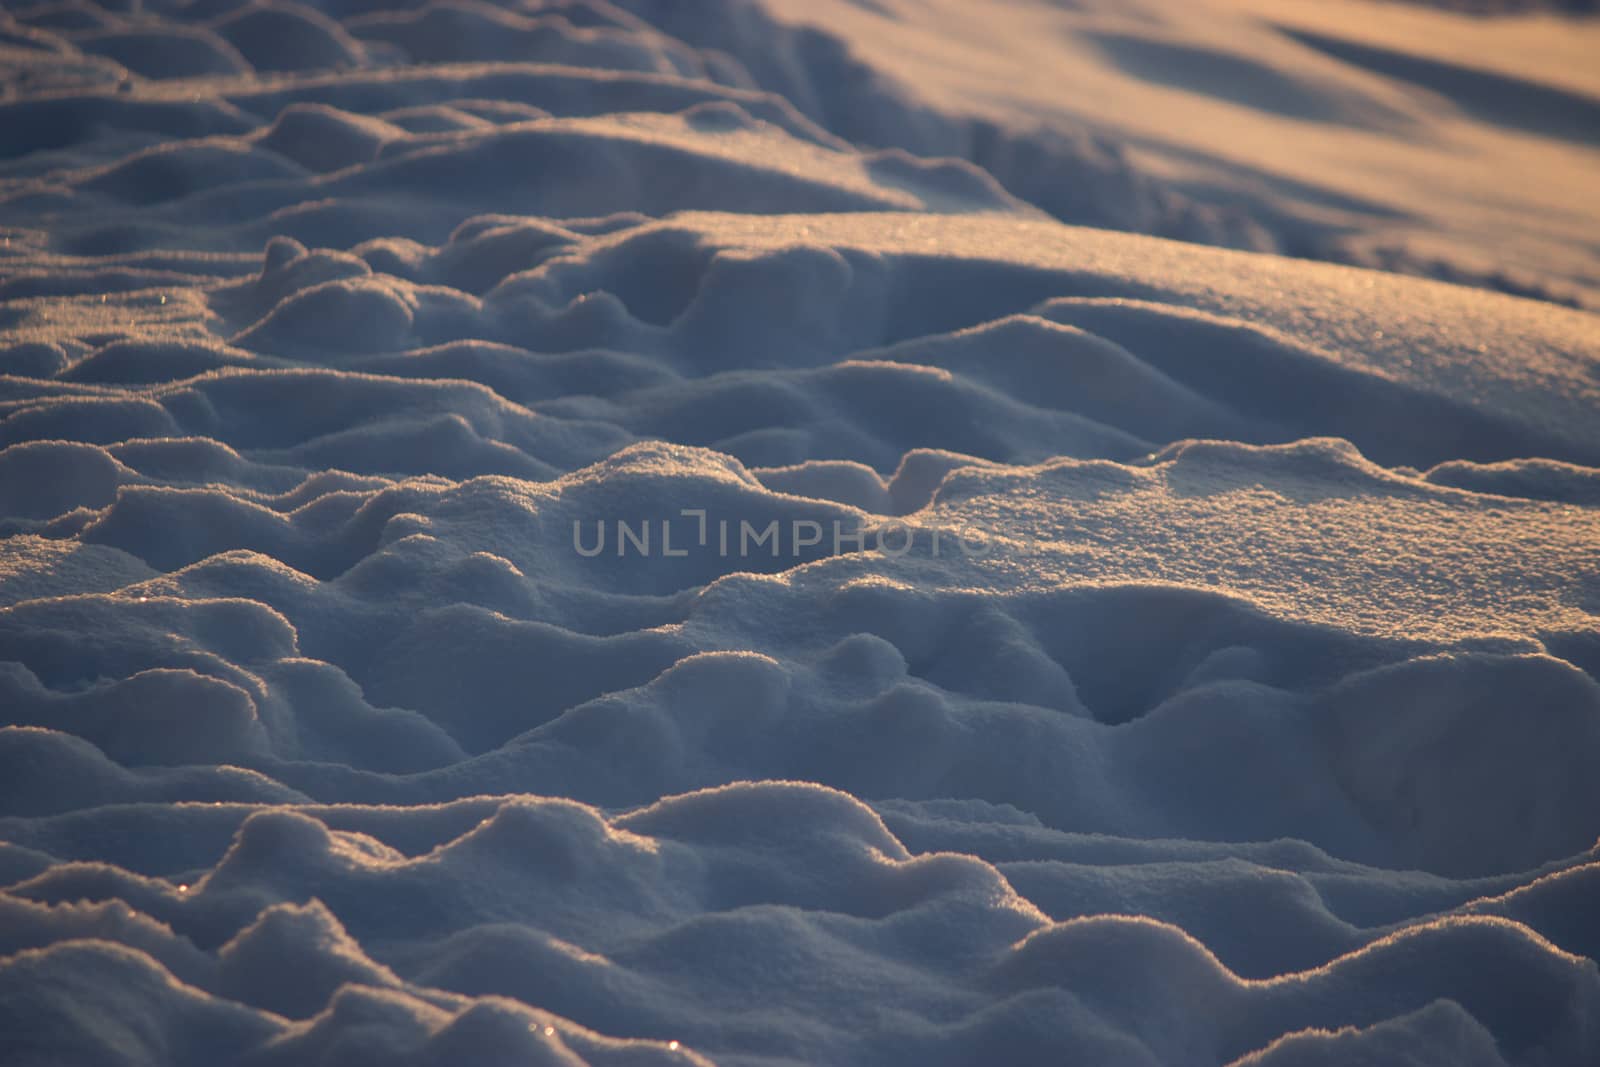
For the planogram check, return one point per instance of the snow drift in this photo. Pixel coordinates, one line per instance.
(631, 533)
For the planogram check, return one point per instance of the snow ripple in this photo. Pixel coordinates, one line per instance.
(520, 542)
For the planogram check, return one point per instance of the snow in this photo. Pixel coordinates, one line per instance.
(764, 532)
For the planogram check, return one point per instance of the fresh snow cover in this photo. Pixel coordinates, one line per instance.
(766, 532)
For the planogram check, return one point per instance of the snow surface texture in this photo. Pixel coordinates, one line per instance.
(1163, 654)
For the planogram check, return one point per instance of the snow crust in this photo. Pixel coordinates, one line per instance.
(780, 533)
